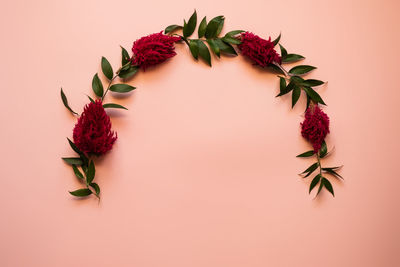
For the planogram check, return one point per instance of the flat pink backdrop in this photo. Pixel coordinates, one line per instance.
(204, 171)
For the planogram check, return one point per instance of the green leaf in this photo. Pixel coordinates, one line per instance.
(125, 58)
(286, 90)
(295, 95)
(231, 40)
(77, 172)
(106, 68)
(220, 26)
(172, 28)
(314, 182)
(233, 33)
(214, 27)
(313, 95)
(297, 79)
(331, 171)
(112, 105)
(214, 47)
(65, 102)
(74, 147)
(289, 58)
(323, 150)
(328, 185)
(283, 52)
(91, 99)
(308, 102)
(276, 41)
(276, 67)
(203, 52)
(313, 83)
(202, 27)
(90, 172)
(225, 48)
(190, 26)
(306, 154)
(282, 84)
(126, 74)
(121, 88)
(96, 188)
(97, 86)
(301, 69)
(81, 192)
(81, 154)
(310, 169)
(73, 161)
(194, 48)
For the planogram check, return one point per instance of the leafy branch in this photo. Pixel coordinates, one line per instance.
(208, 34)
(320, 178)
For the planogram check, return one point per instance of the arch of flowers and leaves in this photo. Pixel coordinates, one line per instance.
(92, 134)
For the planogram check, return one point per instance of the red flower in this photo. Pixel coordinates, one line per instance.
(92, 133)
(153, 49)
(259, 50)
(315, 126)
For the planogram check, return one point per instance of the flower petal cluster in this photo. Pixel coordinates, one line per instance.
(259, 50)
(153, 49)
(315, 126)
(92, 133)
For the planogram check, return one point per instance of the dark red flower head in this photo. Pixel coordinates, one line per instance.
(315, 126)
(259, 50)
(92, 133)
(153, 49)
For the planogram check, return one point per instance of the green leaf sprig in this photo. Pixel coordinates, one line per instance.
(208, 37)
(320, 178)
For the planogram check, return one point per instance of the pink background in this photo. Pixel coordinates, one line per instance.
(204, 171)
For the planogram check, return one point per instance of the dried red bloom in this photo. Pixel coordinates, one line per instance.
(315, 126)
(153, 49)
(259, 50)
(92, 133)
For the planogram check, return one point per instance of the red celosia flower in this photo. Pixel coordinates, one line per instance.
(153, 49)
(92, 133)
(315, 126)
(259, 50)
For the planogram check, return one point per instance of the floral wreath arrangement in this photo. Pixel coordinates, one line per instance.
(92, 134)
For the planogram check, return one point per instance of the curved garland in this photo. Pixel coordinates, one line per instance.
(92, 134)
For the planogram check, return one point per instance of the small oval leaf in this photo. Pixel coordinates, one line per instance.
(306, 154)
(97, 86)
(77, 172)
(301, 69)
(214, 47)
(194, 49)
(289, 58)
(314, 182)
(81, 192)
(106, 68)
(172, 28)
(121, 88)
(313, 95)
(125, 58)
(96, 188)
(112, 105)
(91, 171)
(295, 95)
(73, 161)
(126, 74)
(65, 102)
(204, 52)
(190, 26)
(202, 27)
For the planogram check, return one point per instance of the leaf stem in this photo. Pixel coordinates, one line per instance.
(109, 85)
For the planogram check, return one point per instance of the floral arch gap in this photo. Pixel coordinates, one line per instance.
(93, 136)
